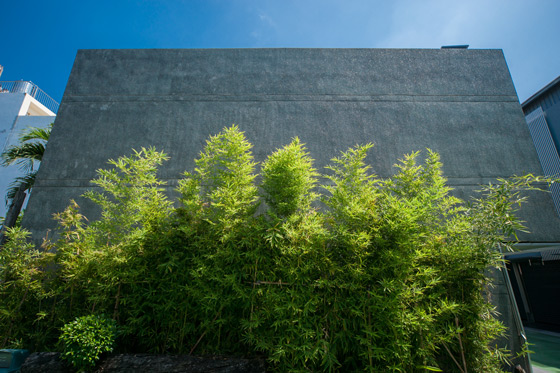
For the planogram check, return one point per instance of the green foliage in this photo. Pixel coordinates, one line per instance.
(22, 290)
(102, 262)
(27, 154)
(223, 180)
(220, 240)
(30, 149)
(85, 339)
(288, 179)
(372, 274)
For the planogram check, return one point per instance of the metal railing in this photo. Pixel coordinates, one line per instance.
(22, 86)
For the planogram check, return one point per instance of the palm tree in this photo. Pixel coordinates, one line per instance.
(27, 154)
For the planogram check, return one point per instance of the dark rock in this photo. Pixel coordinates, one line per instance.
(45, 362)
(48, 362)
(179, 363)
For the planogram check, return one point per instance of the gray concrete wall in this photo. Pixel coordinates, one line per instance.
(460, 103)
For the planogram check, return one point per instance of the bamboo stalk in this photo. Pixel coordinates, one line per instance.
(456, 362)
(117, 300)
(461, 345)
(203, 334)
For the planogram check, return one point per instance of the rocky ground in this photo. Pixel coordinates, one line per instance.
(48, 362)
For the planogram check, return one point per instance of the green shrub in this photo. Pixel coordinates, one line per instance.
(372, 274)
(23, 295)
(85, 339)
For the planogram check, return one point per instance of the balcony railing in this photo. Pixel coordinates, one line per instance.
(22, 86)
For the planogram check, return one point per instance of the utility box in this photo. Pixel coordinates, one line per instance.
(12, 360)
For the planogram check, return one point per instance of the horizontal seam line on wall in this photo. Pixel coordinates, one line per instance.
(288, 97)
(80, 183)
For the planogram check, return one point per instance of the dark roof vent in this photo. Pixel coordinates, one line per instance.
(464, 46)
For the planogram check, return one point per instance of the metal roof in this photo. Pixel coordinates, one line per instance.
(540, 92)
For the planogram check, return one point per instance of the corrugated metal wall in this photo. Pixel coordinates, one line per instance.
(546, 150)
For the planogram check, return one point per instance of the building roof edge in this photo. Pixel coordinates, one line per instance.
(528, 101)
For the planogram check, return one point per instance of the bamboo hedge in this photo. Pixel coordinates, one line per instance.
(334, 271)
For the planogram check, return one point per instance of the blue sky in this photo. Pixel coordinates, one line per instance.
(39, 39)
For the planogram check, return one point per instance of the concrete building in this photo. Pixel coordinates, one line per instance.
(22, 105)
(460, 103)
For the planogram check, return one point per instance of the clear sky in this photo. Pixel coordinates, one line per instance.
(39, 38)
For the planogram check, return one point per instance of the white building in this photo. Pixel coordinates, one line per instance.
(22, 105)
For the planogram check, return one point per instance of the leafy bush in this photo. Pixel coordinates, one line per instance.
(22, 291)
(85, 339)
(364, 273)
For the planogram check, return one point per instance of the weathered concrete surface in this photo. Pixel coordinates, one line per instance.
(460, 103)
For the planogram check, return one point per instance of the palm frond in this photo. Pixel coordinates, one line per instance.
(36, 133)
(27, 181)
(24, 155)
(30, 149)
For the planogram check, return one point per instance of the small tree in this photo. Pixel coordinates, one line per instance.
(99, 259)
(21, 290)
(27, 154)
